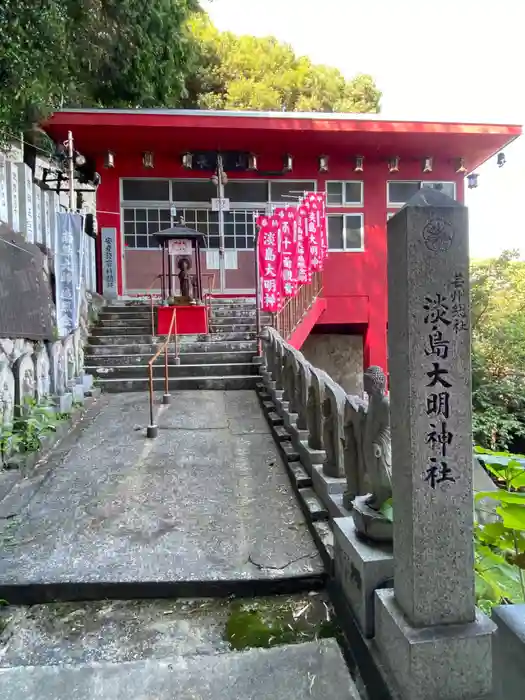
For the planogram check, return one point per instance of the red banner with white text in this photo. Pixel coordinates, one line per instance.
(291, 245)
(270, 262)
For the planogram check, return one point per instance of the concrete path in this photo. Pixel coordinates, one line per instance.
(207, 504)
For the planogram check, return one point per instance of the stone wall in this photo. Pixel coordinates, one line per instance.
(46, 371)
(340, 356)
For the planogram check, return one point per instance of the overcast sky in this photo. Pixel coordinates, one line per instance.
(452, 59)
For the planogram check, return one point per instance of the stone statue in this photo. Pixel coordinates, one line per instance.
(42, 373)
(314, 408)
(377, 448)
(7, 395)
(303, 384)
(25, 385)
(354, 421)
(333, 436)
(70, 361)
(292, 358)
(184, 265)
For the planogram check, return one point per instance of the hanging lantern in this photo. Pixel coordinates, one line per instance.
(359, 164)
(472, 180)
(428, 164)
(148, 160)
(393, 164)
(323, 164)
(109, 161)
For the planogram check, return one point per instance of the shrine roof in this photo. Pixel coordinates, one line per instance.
(371, 135)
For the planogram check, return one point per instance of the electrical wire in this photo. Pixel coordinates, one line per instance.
(13, 245)
(28, 143)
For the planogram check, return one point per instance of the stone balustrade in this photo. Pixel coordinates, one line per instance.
(327, 425)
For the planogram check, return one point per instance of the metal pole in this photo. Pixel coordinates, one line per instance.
(257, 295)
(163, 285)
(220, 191)
(152, 430)
(71, 163)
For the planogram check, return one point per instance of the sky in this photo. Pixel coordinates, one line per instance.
(458, 60)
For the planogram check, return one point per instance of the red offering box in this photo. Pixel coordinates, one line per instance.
(191, 320)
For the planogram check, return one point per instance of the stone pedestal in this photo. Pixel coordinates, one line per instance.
(438, 662)
(63, 403)
(360, 568)
(326, 486)
(281, 406)
(370, 523)
(297, 434)
(78, 394)
(308, 456)
(87, 382)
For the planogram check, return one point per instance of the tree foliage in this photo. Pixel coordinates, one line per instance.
(498, 361)
(246, 72)
(115, 53)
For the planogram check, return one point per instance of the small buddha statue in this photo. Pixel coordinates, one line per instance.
(184, 265)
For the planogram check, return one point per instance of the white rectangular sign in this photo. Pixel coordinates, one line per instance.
(218, 204)
(179, 247)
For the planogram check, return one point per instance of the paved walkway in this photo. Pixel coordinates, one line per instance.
(208, 501)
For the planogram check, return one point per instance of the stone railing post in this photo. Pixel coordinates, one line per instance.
(435, 643)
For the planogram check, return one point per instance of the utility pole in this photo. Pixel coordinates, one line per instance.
(71, 166)
(222, 179)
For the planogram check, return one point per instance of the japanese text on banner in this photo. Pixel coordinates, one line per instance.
(270, 262)
(314, 228)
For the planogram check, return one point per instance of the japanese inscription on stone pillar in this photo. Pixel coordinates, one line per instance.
(444, 316)
(430, 379)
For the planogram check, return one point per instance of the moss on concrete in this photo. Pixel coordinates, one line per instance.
(273, 621)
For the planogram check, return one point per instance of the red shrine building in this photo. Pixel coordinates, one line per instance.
(159, 165)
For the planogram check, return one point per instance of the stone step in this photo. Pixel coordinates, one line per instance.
(232, 301)
(142, 329)
(185, 346)
(174, 371)
(230, 383)
(249, 312)
(145, 339)
(110, 320)
(186, 358)
(232, 327)
(315, 670)
(126, 310)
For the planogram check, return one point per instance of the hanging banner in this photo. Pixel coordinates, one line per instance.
(304, 270)
(314, 230)
(109, 262)
(288, 226)
(69, 229)
(270, 262)
(321, 201)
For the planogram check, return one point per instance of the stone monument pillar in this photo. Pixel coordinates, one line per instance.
(435, 643)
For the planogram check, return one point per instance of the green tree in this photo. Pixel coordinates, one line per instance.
(498, 360)
(114, 53)
(246, 72)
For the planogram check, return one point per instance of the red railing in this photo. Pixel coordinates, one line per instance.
(152, 430)
(295, 308)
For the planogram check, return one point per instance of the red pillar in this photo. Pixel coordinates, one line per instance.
(108, 215)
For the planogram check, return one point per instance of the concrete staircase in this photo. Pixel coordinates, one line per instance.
(121, 346)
